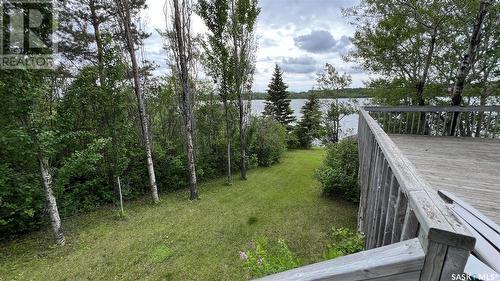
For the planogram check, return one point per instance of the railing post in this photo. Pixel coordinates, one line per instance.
(442, 260)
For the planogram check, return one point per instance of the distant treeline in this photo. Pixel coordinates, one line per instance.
(346, 93)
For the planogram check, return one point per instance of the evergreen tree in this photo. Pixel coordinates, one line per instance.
(277, 100)
(309, 127)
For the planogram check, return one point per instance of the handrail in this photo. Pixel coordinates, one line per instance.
(469, 121)
(397, 204)
(488, 108)
(411, 234)
(400, 261)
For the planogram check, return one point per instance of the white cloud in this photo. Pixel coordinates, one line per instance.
(279, 25)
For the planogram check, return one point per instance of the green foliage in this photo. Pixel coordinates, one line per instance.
(269, 257)
(21, 198)
(344, 242)
(309, 127)
(25, 131)
(277, 101)
(331, 80)
(101, 248)
(336, 112)
(79, 184)
(339, 174)
(266, 141)
(394, 40)
(161, 254)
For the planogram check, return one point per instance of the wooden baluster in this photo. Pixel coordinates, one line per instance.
(431, 119)
(370, 192)
(386, 189)
(379, 206)
(410, 225)
(391, 210)
(412, 122)
(375, 198)
(487, 127)
(496, 126)
(418, 121)
(399, 217)
(385, 121)
(389, 115)
(368, 154)
(395, 122)
(445, 124)
(471, 125)
(406, 122)
(400, 122)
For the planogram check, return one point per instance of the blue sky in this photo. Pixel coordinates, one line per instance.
(299, 35)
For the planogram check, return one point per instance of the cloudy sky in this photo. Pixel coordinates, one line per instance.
(299, 35)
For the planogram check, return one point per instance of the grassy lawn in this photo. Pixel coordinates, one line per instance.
(283, 201)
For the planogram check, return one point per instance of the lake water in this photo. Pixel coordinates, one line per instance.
(349, 124)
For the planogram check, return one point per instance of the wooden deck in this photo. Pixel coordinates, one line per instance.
(466, 167)
(411, 232)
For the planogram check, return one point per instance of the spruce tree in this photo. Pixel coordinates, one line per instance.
(309, 127)
(277, 100)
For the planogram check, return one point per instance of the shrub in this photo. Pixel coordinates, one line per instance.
(345, 242)
(269, 257)
(339, 173)
(266, 141)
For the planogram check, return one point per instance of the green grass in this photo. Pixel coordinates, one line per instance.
(182, 240)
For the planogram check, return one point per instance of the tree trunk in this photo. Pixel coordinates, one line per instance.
(98, 41)
(186, 100)
(239, 91)
(423, 79)
(55, 220)
(140, 98)
(467, 62)
(243, 165)
(482, 101)
(228, 141)
(470, 56)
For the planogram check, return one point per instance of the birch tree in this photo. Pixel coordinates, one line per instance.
(469, 57)
(27, 117)
(405, 40)
(52, 209)
(124, 15)
(215, 14)
(181, 44)
(230, 50)
(243, 19)
(468, 61)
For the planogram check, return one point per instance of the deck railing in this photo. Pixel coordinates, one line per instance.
(397, 209)
(396, 204)
(480, 121)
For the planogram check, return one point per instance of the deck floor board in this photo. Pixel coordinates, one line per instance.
(466, 167)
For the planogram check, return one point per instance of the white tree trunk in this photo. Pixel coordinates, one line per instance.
(181, 24)
(55, 220)
(125, 14)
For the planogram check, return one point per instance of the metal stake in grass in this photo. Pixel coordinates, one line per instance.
(121, 198)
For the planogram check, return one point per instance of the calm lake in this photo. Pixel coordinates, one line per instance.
(349, 124)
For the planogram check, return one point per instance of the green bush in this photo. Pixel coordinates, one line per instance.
(266, 142)
(344, 242)
(269, 257)
(339, 173)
